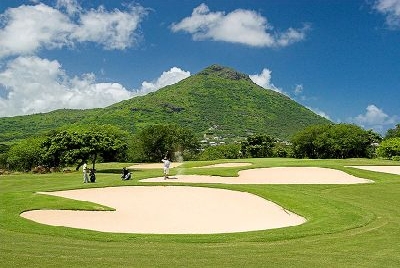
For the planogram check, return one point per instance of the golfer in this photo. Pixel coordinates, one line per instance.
(85, 173)
(167, 163)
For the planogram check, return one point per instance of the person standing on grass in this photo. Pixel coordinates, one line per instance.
(167, 163)
(85, 173)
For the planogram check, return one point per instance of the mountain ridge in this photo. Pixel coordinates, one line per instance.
(218, 99)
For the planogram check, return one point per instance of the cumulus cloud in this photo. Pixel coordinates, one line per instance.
(28, 28)
(114, 30)
(32, 85)
(167, 78)
(374, 118)
(391, 9)
(239, 26)
(264, 80)
(70, 6)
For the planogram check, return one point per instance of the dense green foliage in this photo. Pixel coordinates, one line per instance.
(334, 141)
(4, 148)
(209, 101)
(393, 133)
(157, 141)
(258, 146)
(225, 151)
(389, 148)
(218, 98)
(66, 148)
(20, 127)
(25, 154)
(347, 225)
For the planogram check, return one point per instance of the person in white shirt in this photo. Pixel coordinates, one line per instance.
(85, 173)
(167, 163)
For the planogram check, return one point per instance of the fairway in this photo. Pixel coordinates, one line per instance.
(348, 225)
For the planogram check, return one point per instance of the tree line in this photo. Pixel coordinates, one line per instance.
(73, 146)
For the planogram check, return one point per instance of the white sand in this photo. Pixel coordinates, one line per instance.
(168, 210)
(189, 210)
(274, 175)
(384, 169)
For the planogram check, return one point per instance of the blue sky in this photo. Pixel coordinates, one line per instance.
(341, 59)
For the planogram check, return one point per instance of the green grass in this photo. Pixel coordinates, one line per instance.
(348, 225)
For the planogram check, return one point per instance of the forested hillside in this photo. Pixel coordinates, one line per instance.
(217, 99)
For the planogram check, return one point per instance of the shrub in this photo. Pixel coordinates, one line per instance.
(389, 148)
(396, 158)
(226, 151)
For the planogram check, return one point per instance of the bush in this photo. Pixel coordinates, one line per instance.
(258, 146)
(282, 150)
(156, 141)
(396, 158)
(338, 141)
(25, 155)
(227, 151)
(389, 148)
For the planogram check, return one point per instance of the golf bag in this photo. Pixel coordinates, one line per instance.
(92, 175)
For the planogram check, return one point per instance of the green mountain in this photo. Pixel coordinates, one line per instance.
(218, 100)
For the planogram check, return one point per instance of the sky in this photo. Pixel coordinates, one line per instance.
(341, 59)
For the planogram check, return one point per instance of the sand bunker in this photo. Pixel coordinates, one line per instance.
(168, 210)
(384, 169)
(274, 175)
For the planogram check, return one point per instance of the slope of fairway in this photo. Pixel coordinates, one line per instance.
(354, 225)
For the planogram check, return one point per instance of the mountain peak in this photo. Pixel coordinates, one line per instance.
(224, 72)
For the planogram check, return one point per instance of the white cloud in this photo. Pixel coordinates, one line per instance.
(29, 84)
(240, 26)
(32, 85)
(298, 89)
(28, 28)
(391, 9)
(264, 80)
(374, 118)
(114, 30)
(174, 75)
(71, 6)
(320, 112)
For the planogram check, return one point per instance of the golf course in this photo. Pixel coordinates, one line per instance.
(346, 224)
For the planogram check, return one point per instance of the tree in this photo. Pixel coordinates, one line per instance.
(25, 155)
(282, 149)
(4, 148)
(306, 143)
(75, 148)
(225, 151)
(258, 146)
(389, 148)
(157, 141)
(334, 141)
(393, 133)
